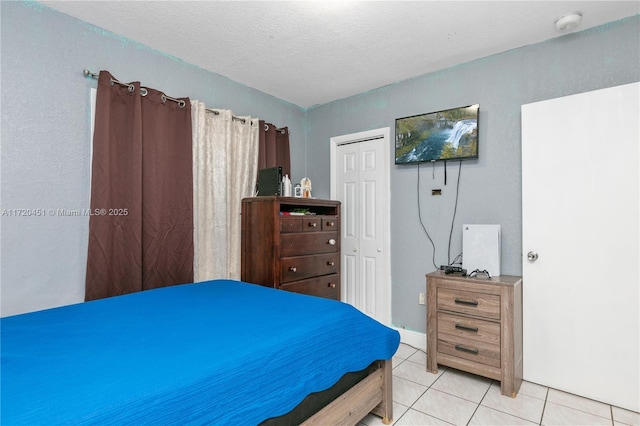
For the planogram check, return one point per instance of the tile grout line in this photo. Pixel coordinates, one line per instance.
(544, 406)
(422, 394)
(481, 399)
(506, 412)
(575, 408)
(611, 410)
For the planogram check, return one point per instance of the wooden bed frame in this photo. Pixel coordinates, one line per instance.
(371, 395)
(348, 401)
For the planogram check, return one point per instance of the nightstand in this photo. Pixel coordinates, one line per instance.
(475, 325)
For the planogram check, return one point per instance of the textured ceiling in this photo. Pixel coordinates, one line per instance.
(314, 52)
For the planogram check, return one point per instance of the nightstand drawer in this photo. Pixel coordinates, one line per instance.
(469, 329)
(468, 302)
(480, 352)
(301, 267)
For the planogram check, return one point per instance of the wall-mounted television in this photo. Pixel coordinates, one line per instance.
(447, 135)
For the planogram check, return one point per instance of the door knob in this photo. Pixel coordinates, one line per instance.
(532, 256)
(355, 249)
(379, 249)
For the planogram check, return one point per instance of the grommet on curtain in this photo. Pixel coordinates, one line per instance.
(266, 127)
(143, 91)
(131, 88)
(163, 98)
(182, 104)
(111, 81)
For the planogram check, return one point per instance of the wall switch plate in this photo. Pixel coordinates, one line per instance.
(422, 299)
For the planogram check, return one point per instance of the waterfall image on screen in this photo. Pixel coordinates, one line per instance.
(438, 136)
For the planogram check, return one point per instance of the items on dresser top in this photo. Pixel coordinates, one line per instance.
(475, 325)
(292, 244)
(270, 181)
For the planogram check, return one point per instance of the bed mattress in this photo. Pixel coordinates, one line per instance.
(222, 352)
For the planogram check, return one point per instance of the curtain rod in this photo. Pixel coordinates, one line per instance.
(266, 126)
(143, 92)
(233, 117)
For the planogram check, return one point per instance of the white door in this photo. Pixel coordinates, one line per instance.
(580, 192)
(360, 180)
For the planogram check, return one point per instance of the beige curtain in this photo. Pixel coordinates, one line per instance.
(225, 161)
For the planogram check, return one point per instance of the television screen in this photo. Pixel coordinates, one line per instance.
(451, 134)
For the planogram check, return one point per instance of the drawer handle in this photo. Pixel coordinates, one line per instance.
(332, 285)
(329, 223)
(312, 224)
(466, 302)
(465, 328)
(465, 349)
(331, 263)
(293, 269)
(332, 242)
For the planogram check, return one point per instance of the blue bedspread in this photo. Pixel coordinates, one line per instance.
(218, 352)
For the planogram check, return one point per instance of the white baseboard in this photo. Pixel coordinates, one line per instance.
(413, 338)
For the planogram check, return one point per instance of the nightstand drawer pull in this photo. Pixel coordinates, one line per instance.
(465, 349)
(466, 328)
(466, 302)
(293, 269)
(331, 263)
(332, 285)
(312, 224)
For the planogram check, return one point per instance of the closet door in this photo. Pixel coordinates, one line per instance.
(360, 183)
(580, 192)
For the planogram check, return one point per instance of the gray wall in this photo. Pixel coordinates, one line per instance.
(46, 139)
(490, 188)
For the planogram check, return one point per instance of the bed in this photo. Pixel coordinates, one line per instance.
(216, 352)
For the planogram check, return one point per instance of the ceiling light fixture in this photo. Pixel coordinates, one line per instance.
(568, 22)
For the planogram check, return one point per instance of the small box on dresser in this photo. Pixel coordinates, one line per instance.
(475, 325)
(288, 250)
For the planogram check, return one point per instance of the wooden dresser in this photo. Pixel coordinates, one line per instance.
(283, 249)
(475, 325)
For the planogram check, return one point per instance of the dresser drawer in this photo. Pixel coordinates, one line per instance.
(327, 286)
(290, 224)
(308, 243)
(311, 224)
(468, 302)
(329, 223)
(469, 329)
(300, 267)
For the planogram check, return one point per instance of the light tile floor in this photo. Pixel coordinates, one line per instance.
(459, 398)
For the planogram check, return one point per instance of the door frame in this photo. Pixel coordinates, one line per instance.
(382, 134)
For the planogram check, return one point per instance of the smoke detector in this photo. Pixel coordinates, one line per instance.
(568, 22)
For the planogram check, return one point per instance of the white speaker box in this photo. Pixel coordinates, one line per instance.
(481, 248)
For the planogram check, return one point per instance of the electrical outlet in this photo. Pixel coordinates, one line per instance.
(421, 299)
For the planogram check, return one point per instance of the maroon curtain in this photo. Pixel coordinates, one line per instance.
(274, 148)
(141, 227)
